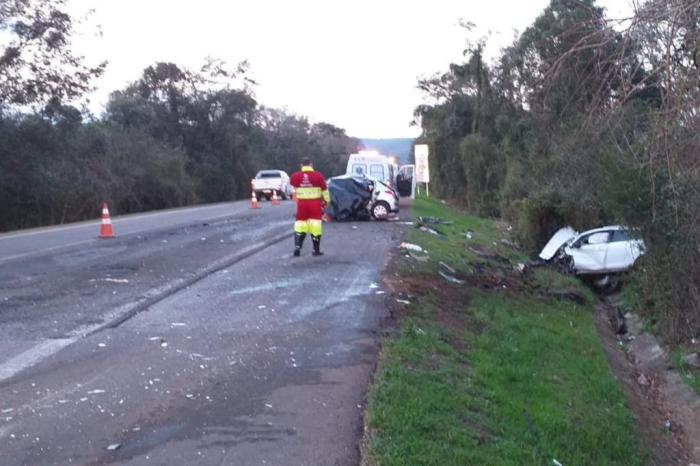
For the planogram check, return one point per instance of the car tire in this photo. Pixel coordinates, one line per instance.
(381, 210)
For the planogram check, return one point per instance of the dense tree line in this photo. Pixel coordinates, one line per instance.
(174, 137)
(584, 120)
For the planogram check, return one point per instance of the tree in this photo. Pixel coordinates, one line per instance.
(37, 65)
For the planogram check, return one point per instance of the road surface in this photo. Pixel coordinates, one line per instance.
(196, 341)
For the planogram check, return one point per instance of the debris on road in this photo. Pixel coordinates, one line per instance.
(114, 446)
(116, 280)
(403, 301)
(95, 392)
(178, 324)
(373, 286)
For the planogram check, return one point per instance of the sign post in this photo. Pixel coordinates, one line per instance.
(422, 167)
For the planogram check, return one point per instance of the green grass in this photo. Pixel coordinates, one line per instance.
(690, 375)
(494, 378)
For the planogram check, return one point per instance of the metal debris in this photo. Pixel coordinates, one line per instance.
(116, 280)
(411, 247)
(448, 268)
(451, 279)
(114, 446)
(430, 230)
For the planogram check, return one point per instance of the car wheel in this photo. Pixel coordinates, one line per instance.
(381, 210)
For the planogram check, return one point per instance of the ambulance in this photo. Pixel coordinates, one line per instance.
(383, 168)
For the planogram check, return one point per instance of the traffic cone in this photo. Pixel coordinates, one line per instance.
(106, 227)
(254, 202)
(275, 200)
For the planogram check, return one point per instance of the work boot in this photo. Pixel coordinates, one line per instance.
(317, 245)
(298, 243)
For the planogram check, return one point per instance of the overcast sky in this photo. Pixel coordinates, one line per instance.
(354, 64)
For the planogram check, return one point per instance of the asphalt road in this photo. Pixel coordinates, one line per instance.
(18, 245)
(203, 342)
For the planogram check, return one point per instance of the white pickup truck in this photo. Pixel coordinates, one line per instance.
(268, 181)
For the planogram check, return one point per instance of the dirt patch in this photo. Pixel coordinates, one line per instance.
(448, 304)
(666, 411)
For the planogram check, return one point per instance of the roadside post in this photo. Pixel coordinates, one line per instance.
(422, 168)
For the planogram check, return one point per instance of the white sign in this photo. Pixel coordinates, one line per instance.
(422, 169)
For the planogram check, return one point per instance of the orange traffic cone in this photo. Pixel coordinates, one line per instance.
(275, 199)
(106, 227)
(254, 202)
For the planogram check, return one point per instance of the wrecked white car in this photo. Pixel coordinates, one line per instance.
(604, 250)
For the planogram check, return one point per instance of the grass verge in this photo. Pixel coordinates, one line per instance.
(506, 369)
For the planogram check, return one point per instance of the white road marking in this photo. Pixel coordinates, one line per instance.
(32, 356)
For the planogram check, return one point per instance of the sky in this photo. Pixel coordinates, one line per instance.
(354, 64)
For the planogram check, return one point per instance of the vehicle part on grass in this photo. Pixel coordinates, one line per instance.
(469, 234)
(411, 247)
(433, 221)
(429, 230)
(451, 279)
(447, 267)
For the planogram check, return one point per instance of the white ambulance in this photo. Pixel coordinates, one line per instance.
(375, 165)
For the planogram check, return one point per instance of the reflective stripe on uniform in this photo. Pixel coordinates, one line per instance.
(308, 193)
(301, 226)
(327, 196)
(315, 227)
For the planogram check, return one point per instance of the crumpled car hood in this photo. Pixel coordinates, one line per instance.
(557, 241)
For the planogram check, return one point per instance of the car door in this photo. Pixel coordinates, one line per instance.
(404, 181)
(589, 252)
(622, 251)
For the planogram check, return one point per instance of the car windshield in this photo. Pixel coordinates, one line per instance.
(268, 175)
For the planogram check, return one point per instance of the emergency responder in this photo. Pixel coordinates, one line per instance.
(312, 196)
